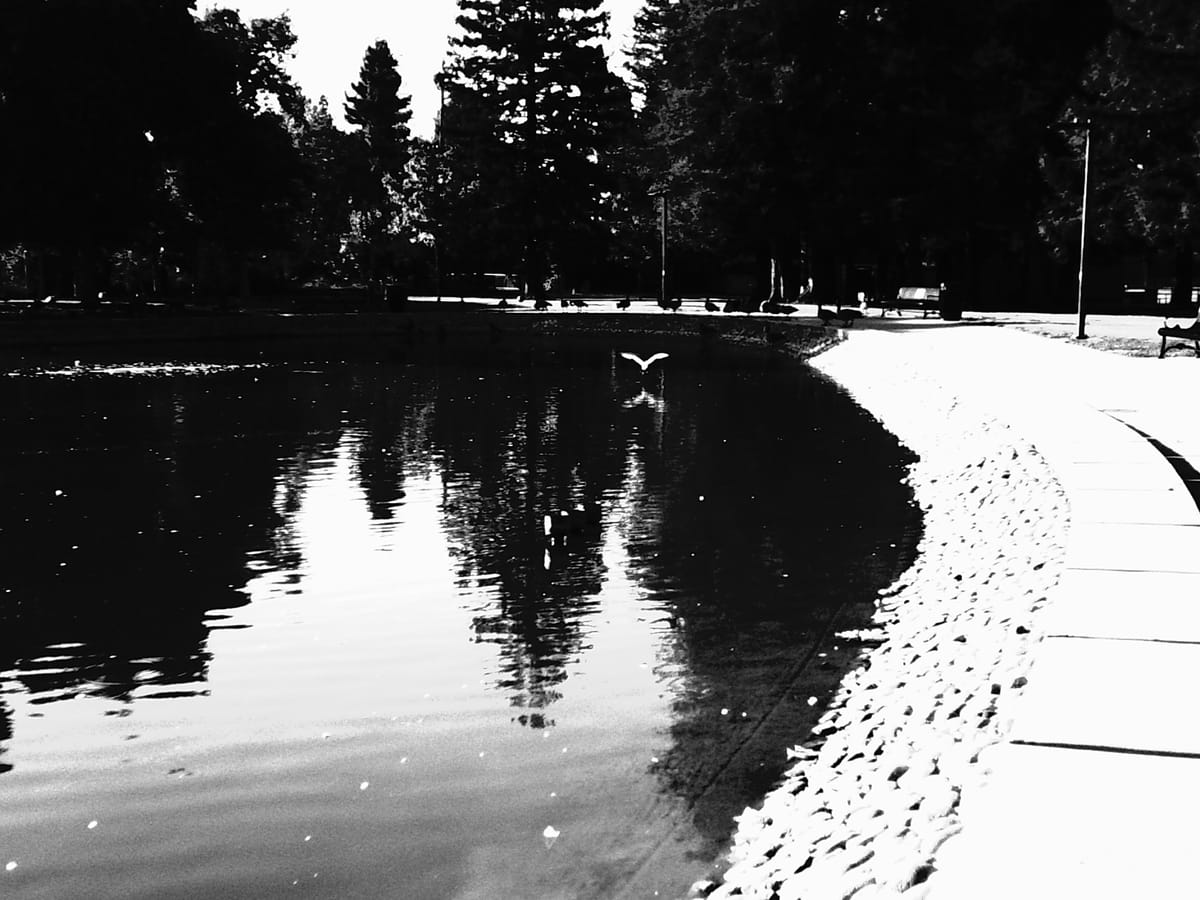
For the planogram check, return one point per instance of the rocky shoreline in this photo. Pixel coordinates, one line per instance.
(874, 792)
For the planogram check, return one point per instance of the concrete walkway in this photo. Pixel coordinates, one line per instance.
(1094, 794)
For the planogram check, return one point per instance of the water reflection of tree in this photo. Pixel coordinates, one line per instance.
(780, 502)
(393, 407)
(137, 501)
(5, 736)
(515, 447)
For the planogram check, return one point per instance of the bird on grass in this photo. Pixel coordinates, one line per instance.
(844, 314)
(541, 303)
(578, 302)
(645, 363)
(710, 306)
(623, 304)
(673, 305)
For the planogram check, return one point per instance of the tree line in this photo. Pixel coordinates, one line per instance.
(147, 149)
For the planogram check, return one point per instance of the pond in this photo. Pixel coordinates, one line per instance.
(284, 629)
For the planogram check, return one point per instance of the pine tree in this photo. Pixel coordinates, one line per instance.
(545, 115)
(656, 26)
(377, 107)
(381, 113)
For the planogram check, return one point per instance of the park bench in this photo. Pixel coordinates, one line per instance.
(1187, 332)
(926, 299)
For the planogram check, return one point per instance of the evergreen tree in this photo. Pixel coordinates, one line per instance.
(825, 128)
(645, 164)
(377, 107)
(467, 201)
(656, 26)
(531, 79)
(1141, 97)
(381, 113)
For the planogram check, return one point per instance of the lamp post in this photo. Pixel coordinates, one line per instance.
(441, 160)
(662, 225)
(1081, 333)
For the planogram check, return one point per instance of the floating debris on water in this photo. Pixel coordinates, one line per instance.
(139, 369)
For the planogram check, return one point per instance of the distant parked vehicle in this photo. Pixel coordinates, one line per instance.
(502, 284)
(484, 284)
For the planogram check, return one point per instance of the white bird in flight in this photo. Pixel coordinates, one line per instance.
(645, 363)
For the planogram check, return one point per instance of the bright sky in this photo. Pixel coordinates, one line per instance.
(334, 35)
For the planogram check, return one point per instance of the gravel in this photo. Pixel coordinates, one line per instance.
(874, 792)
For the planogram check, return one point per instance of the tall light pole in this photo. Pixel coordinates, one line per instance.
(441, 161)
(1081, 333)
(662, 225)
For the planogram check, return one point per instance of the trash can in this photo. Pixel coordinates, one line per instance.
(948, 306)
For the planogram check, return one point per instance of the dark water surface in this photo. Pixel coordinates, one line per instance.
(286, 630)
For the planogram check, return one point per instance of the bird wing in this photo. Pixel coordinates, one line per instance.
(644, 363)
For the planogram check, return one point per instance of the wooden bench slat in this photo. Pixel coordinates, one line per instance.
(926, 299)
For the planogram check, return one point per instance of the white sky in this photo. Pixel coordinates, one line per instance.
(334, 35)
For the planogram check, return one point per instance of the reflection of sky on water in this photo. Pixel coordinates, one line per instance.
(280, 579)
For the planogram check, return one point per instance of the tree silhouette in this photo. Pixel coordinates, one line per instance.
(820, 129)
(329, 156)
(536, 95)
(89, 170)
(1140, 96)
(376, 106)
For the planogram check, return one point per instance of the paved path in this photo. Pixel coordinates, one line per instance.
(1095, 793)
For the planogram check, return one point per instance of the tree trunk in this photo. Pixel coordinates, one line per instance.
(775, 291)
(823, 275)
(1181, 291)
(85, 274)
(1149, 261)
